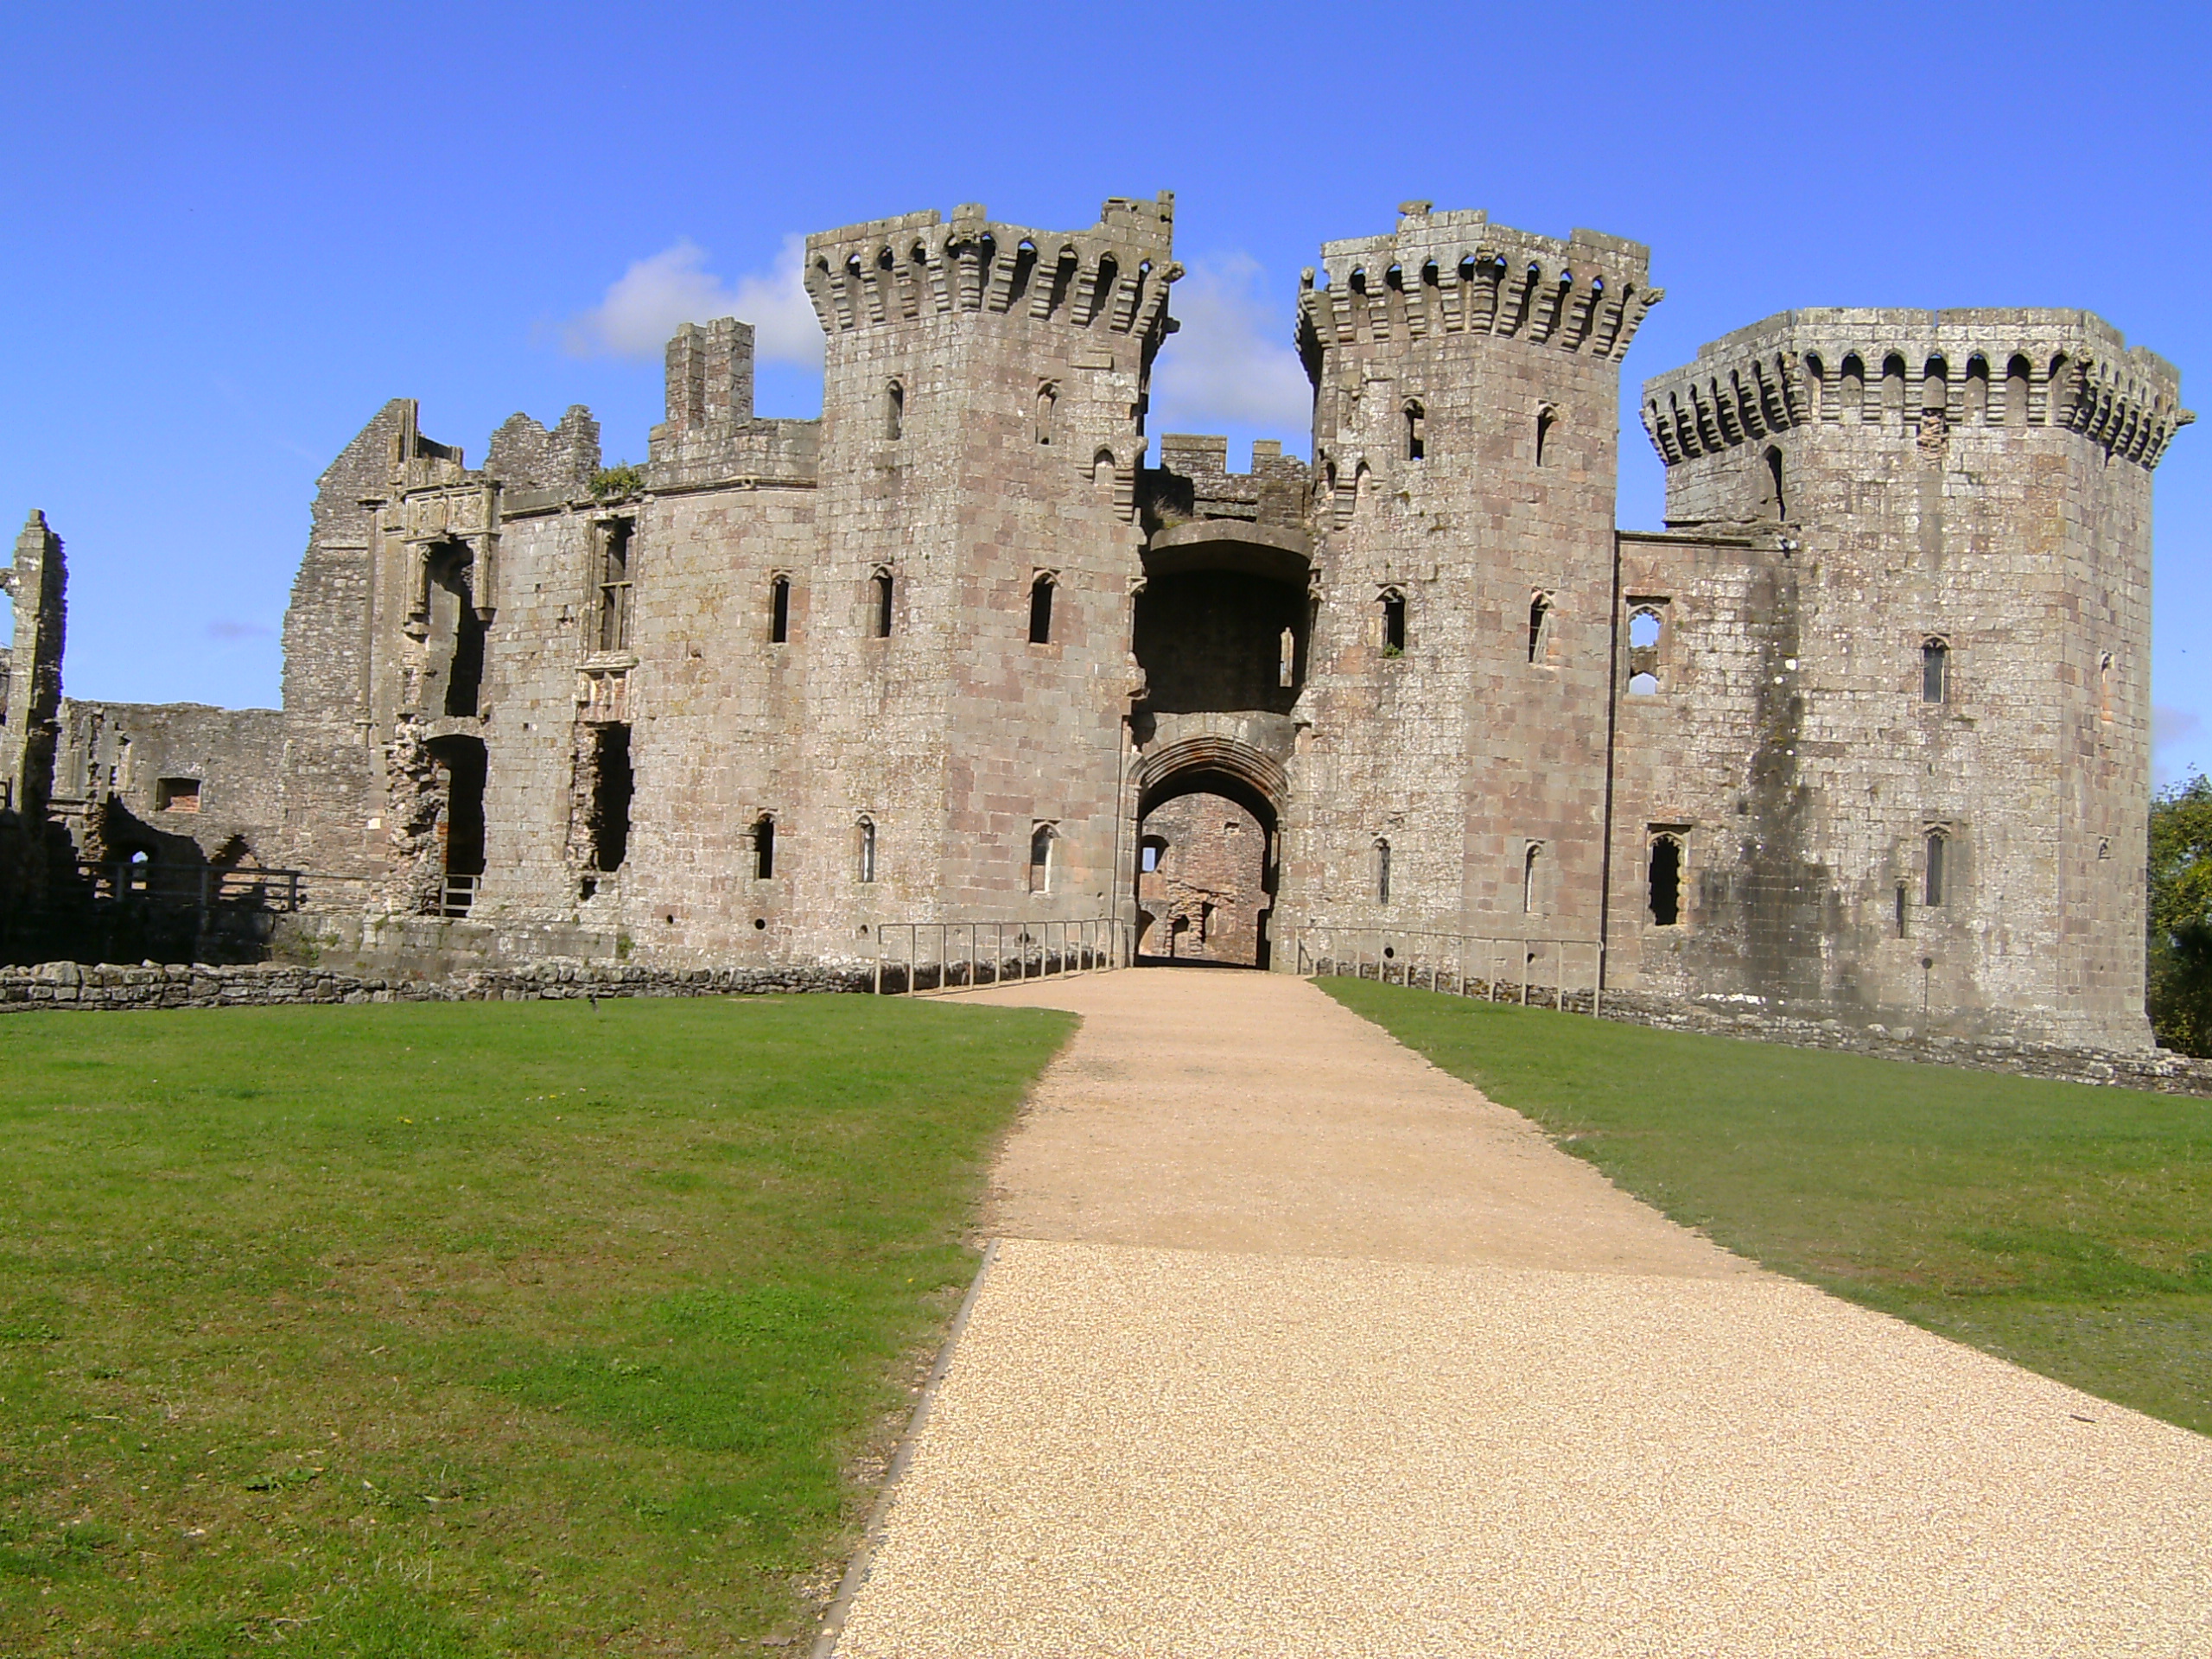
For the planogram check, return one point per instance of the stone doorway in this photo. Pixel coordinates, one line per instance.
(1206, 871)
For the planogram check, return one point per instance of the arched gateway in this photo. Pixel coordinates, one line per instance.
(1209, 850)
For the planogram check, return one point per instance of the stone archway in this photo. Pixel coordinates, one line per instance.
(1208, 854)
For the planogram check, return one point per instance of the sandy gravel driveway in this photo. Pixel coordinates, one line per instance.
(1292, 1344)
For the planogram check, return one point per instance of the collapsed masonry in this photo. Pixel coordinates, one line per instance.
(1863, 734)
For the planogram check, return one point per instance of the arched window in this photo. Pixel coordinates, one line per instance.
(1816, 384)
(1936, 851)
(1776, 504)
(1935, 671)
(2104, 687)
(780, 610)
(864, 850)
(1540, 627)
(1102, 474)
(1381, 871)
(1286, 660)
(1532, 879)
(880, 594)
(764, 847)
(1546, 418)
(894, 412)
(1663, 881)
(1391, 607)
(1416, 430)
(1040, 857)
(1048, 395)
(1040, 609)
(2058, 395)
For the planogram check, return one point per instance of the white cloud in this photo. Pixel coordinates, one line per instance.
(1232, 363)
(647, 303)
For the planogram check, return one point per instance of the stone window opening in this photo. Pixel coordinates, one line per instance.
(1103, 468)
(1391, 611)
(1416, 430)
(1286, 660)
(2104, 690)
(764, 847)
(451, 569)
(1646, 628)
(1041, 838)
(1382, 870)
(1040, 609)
(1936, 670)
(1777, 503)
(894, 412)
(1540, 627)
(1664, 880)
(1546, 418)
(879, 596)
(1901, 910)
(864, 850)
(1935, 846)
(1816, 384)
(613, 787)
(1048, 394)
(780, 610)
(176, 795)
(1149, 853)
(1532, 879)
(612, 579)
(1976, 410)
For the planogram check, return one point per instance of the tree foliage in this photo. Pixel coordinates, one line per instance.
(2179, 916)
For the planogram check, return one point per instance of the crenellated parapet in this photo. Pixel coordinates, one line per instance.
(1112, 278)
(1923, 374)
(1456, 273)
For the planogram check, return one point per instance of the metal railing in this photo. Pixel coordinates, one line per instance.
(110, 880)
(1559, 973)
(457, 893)
(969, 954)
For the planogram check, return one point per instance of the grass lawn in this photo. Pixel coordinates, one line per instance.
(2065, 1227)
(459, 1329)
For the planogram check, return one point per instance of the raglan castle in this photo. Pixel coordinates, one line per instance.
(1862, 732)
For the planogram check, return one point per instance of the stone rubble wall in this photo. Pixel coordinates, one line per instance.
(200, 985)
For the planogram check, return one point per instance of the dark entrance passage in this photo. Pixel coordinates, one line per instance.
(461, 769)
(1206, 872)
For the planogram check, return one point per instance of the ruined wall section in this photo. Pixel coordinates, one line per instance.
(1466, 381)
(36, 584)
(982, 431)
(186, 782)
(1974, 484)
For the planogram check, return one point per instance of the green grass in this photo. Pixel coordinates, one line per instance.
(2065, 1227)
(456, 1330)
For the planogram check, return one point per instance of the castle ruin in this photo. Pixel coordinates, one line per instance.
(1863, 732)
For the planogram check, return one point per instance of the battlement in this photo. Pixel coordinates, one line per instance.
(1113, 276)
(1909, 369)
(1193, 481)
(1454, 273)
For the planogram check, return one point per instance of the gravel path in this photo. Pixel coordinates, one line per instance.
(1294, 1345)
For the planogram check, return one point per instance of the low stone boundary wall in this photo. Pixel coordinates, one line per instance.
(2157, 1070)
(108, 986)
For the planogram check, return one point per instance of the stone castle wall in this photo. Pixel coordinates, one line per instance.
(944, 652)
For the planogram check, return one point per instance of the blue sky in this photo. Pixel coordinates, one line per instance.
(239, 230)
